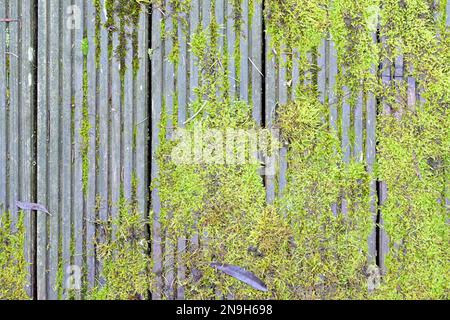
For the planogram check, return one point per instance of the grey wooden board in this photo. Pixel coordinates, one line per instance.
(168, 96)
(117, 152)
(17, 118)
(270, 106)
(194, 19)
(3, 112)
(168, 81)
(156, 86)
(103, 98)
(182, 89)
(77, 182)
(42, 138)
(386, 77)
(14, 111)
(66, 152)
(370, 156)
(26, 132)
(122, 125)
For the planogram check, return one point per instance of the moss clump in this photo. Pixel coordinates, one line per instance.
(352, 28)
(216, 202)
(13, 265)
(123, 257)
(98, 26)
(414, 145)
(296, 24)
(312, 243)
(123, 18)
(330, 248)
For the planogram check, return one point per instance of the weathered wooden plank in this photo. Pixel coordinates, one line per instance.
(270, 109)
(127, 111)
(3, 111)
(447, 15)
(399, 81)
(333, 98)
(370, 153)
(54, 148)
(194, 20)
(447, 188)
(282, 100)
(345, 138)
(142, 121)
(220, 12)
(26, 170)
(205, 6)
(231, 39)
(168, 96)
(332, 67)
(371, 116)
(346, 122)
(42, 136)
(256, 55)
(322, 71)
(78, 205)
(91, 197)
(66, 147)
(156, 83)
(115, 143)
(308, 81)
(383, 240)
(182, 94)
(244, 52)
(411, 91)
(13, 151)
(358, 153)
(103, 99)
(182, 75)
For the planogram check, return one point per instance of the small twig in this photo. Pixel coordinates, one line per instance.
(8, 20)
(12, 54)
(196, 114)
(160, 10)
(256, 67)
(138, 124)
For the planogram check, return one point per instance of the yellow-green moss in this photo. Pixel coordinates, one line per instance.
(330, 251)
(85, 122)
(123, 257)
(414, 152)
(299, 246)
(13, 265)
(123, 18)
(98, 26)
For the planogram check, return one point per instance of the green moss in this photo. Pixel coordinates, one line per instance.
(312, 243)
(123, 256)
(297, 24)
(352, 25)
(237, 18)
(13, 265)
(98, 26)
(414, 154)
(85, 122)
(330, 251)
(123, 18)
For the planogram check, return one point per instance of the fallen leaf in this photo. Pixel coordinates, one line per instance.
(31, 206)
(241, 275)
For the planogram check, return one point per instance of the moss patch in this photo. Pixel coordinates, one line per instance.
(13, 265)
